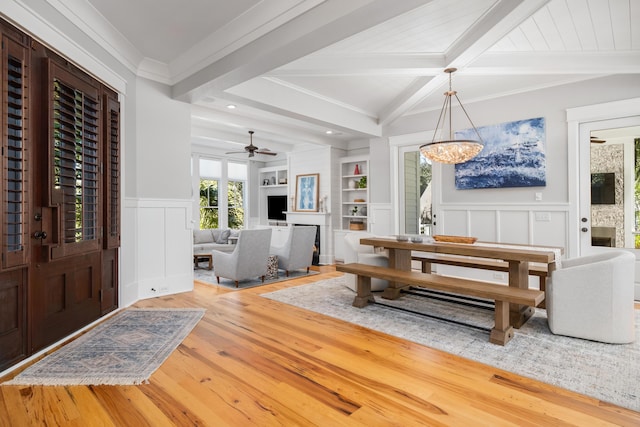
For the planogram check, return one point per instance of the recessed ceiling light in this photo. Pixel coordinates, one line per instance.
(231, 106)
(329, 132)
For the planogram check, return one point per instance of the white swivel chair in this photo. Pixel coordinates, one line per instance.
(591, 297)
(248, 259)
(297, 251)
(364, 254)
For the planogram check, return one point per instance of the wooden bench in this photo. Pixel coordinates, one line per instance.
(503, 295)
(489, 264)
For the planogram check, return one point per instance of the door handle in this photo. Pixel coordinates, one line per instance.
(40, 235)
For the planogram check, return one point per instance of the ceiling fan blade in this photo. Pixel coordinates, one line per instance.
(252, 149)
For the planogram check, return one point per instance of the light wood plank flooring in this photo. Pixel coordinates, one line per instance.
(252, 361)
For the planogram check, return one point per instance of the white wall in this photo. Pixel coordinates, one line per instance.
(156, 225)
(163, 143)
(320, 161)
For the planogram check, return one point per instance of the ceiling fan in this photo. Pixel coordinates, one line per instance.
(252, 149)
(596, 140)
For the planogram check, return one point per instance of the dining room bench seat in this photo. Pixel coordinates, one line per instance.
(426, 260)
(502, 295)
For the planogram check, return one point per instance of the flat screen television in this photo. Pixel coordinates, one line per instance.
(603, 188)
(276, 208)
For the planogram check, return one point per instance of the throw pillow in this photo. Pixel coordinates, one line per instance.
(223, 237)
(202, 236)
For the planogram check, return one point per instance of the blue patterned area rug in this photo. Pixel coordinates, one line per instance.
(123, 350)
(609, 372)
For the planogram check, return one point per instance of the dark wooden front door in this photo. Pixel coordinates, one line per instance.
(60, 198)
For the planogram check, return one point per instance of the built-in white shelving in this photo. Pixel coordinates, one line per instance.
(354, 192)
(273, 176)
(272, 181)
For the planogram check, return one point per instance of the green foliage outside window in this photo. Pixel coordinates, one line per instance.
(235, 193)
(209, 209)
(208, 204)
(637, 190)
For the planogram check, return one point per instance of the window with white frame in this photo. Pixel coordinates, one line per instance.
(210, 173)
(416, 184)
(236, 188)
(222, 193)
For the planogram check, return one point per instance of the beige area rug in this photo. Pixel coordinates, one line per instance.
(609, 372)
(209, 276)
(123, 350)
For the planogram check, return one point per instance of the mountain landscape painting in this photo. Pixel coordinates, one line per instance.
(513, 156)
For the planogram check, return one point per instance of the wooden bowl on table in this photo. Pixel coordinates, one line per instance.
(454, 239)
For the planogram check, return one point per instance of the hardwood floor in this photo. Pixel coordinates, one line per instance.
(253, 361)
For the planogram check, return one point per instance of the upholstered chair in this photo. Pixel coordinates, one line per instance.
(248, 259)
(591, 297)
(363, 254)
(297, 251)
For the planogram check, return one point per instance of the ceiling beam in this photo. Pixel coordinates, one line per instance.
(277, 97)
(234, 127)
(496, 24)
(363, 64)
(328, 23)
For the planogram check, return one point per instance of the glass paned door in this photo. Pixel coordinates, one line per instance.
(417, 207)
(609, 190)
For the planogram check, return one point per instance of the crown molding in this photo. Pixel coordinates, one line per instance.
(154, 70)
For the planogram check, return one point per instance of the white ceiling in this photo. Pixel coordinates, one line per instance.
(297, 68)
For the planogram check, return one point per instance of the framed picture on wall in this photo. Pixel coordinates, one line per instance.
(514, 155)
(307, 192)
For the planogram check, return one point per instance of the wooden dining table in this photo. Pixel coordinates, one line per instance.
(518, 258)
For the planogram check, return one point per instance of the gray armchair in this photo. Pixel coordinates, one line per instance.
(248, 259)
(297, 251)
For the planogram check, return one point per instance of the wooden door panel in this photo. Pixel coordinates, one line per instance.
(13, 331)
(109, 292)
(65, 296)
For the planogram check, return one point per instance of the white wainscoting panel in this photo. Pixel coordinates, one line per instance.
(128, 281)
(531, 225)
(544, 225)
(164, 246)
(550, 228)
(453, 221)
(483, 225)
(513, 227)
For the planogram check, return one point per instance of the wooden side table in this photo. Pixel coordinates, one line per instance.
(203, 257)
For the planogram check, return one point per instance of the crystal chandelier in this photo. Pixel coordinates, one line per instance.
(451, 150)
